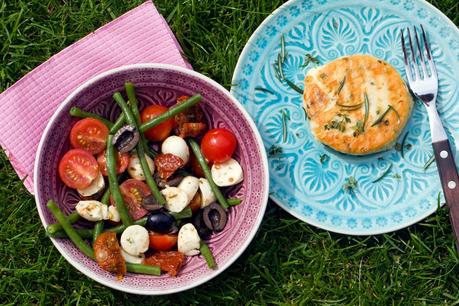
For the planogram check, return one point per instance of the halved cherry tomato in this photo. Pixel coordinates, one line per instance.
(89, 134)
(162, 242)
(107, 251)
(78, 168)
(162, 130)
(169, 262)
(122, 162)
(218, 145)
(133, 192)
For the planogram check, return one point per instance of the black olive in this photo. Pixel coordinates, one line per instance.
(160, 222)
(150, 203)
(174, 181)
(126, 138)
(203, 231)
(214, 217)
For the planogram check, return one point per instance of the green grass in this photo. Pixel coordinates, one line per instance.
(289, 262)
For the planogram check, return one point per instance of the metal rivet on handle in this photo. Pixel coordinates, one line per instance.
(451, 184)
(443, 154)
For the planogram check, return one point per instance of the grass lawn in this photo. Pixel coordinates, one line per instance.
(289, 262)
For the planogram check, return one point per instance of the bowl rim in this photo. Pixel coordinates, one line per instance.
(264, 198)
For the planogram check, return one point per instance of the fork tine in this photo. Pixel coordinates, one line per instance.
(415, 65)
(433, 69)
(409, 72)
(421, 57)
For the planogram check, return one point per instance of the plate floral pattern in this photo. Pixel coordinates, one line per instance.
(392, 189)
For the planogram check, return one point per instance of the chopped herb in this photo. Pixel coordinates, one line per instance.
(402, 145)
(350, 184)
(264, 90)
(367, 106)
(309, 59)
(341, 85)
(396, 176)
(324, 158)
(429, 162)
(378, 112)
(383, 174)
(274, 151)
(338, 123)
(380, 118)
(297, 134)
(293, 86)
(358, 128)
(284, 126)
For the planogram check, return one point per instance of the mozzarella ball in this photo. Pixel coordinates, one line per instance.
(207, 195)
(190, 186)
(228, 173)
(188, 241)
(135, 168)
(131, 258)
(113, 214)
(176, 199)
(92, 210)
(135, 240)
(177, 146)
(96, 186)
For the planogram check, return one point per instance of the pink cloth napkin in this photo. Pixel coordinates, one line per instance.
(139, 36)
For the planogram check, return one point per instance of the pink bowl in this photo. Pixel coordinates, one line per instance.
(158, 84)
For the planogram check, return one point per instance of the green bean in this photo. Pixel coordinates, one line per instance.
(143, 269)
(98, 229)
(207, 254)
(141, 147)
(185, 213)
(55, 227)
(171, 112)
(87, 233)
(233, 201)
(113, 181)
(130, 119)
(105, 197)
(69, 230)
(78, 112)
(118, 124)
(202, 162)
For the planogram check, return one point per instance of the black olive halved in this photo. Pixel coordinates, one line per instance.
(174, 181)
(150, 203)
(126, 138)
(203, 231)
(215, 217)
(160, 222)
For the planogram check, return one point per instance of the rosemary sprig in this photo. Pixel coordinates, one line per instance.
(350, 107)
(279, 67)
(264, 90)
(283, 54)
(402, 145)
(350, 184)
(383, 174)
(367, 106)
(341, 85)
(274, 151)
(429, 162)
(284, 126)
(293, 86)
(309, 58)
(381, 118)
(324, 158)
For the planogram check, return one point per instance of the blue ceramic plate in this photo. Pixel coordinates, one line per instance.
(307, 179)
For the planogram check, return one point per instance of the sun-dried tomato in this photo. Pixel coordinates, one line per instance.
(167, 164)
(108, 254)
(191, 121)
(170, 261)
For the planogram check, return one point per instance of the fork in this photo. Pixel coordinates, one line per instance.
(423, 81)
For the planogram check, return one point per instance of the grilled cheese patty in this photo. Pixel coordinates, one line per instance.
(346, 98)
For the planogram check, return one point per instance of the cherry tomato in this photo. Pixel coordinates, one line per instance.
(107, 251)
(122, 162)
(89, 134)
(78, 168)
(162, 242)
(133, 192)
(169, 262)
(162, 130)
(218, 145)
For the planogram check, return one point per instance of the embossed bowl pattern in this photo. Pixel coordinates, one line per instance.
(158, 84)
(307, 178)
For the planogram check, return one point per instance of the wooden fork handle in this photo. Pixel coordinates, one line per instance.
(449, 181)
